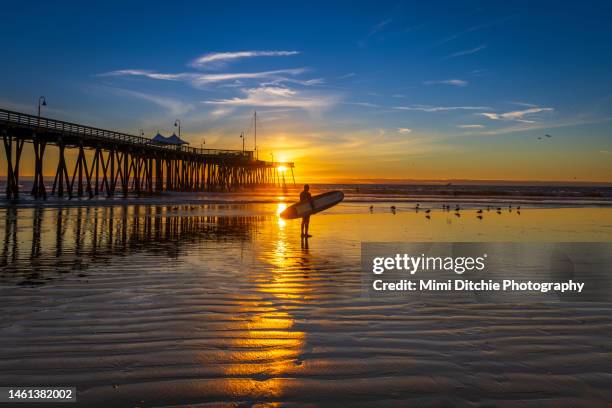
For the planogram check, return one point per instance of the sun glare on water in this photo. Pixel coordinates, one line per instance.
(279, 209)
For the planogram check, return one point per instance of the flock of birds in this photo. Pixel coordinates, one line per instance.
(457, 210)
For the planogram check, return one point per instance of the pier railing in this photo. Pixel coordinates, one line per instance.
(42, 123)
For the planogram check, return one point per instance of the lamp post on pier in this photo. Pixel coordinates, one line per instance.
(177, 123)
(42, 101)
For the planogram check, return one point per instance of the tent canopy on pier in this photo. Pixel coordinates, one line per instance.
(172, 140)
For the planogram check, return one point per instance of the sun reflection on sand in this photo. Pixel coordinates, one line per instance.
(281, 207)
(268, 336)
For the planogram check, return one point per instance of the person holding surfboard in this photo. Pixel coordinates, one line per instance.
(306, 197)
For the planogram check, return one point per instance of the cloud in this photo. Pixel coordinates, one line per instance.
(202, 79)
(174, 106)
(466, 52)
(605, 152)
(378, 27)
(269, 96)
(198, 79)
(146, 73)
(404, 130)
(219, 58)
(453, 82)
(349, 75)
(425, 108)
(470, 126)
(364, 104)
(515, 115)
(220, 112)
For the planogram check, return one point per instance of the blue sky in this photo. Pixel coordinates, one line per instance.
(346, 89)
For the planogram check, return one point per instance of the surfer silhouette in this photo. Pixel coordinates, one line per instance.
(305, 196)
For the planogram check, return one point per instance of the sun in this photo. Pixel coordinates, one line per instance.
(282, 169)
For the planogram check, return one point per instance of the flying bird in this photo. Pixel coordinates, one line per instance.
(547, 135)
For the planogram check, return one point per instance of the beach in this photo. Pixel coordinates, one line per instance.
(223, 305)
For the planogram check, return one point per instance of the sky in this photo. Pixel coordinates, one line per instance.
(346, 90)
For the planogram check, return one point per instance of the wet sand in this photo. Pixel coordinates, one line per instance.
(221, 305)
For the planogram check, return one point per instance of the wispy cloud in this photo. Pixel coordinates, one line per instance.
(404, 130)
(349, 75)
(377, 28)
(466, 52)
(216, 59)
(515, 115)
(605, 152)
(276, 74)
(221, 112)
(198, 79)
(174, 106)
(470, 126)
(470, 30)
(529, 105)
(147, 74)
(278, 97)
(426, 108)
(453, 82)
(364, 104)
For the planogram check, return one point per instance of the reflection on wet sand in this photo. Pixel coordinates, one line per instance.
(68, 239)
(170, 306)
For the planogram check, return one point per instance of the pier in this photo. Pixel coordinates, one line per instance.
(110, 163)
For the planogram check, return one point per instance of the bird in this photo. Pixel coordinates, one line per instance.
(518, 212)
(457, 214)
(498, 208)
(479, 217)
(539, 138)
(488, 208)
(498, 211)
(417, 205)
(518, 208)
(547, 135)
(479, 212)
(393, 207)
(427, 211)
(371, 208)
(428, 217)
(457, 208)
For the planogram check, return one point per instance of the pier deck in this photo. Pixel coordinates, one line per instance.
(109, 162)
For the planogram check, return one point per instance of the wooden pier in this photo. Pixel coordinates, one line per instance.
(110, 163)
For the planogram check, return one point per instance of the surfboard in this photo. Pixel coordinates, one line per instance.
(319, 203)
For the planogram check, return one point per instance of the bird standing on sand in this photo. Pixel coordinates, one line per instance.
(479, 217)
(371, 208)
(479, 212)
(428, 217)
(427, 211)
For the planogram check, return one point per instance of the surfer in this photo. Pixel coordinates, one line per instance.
(305, 196)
